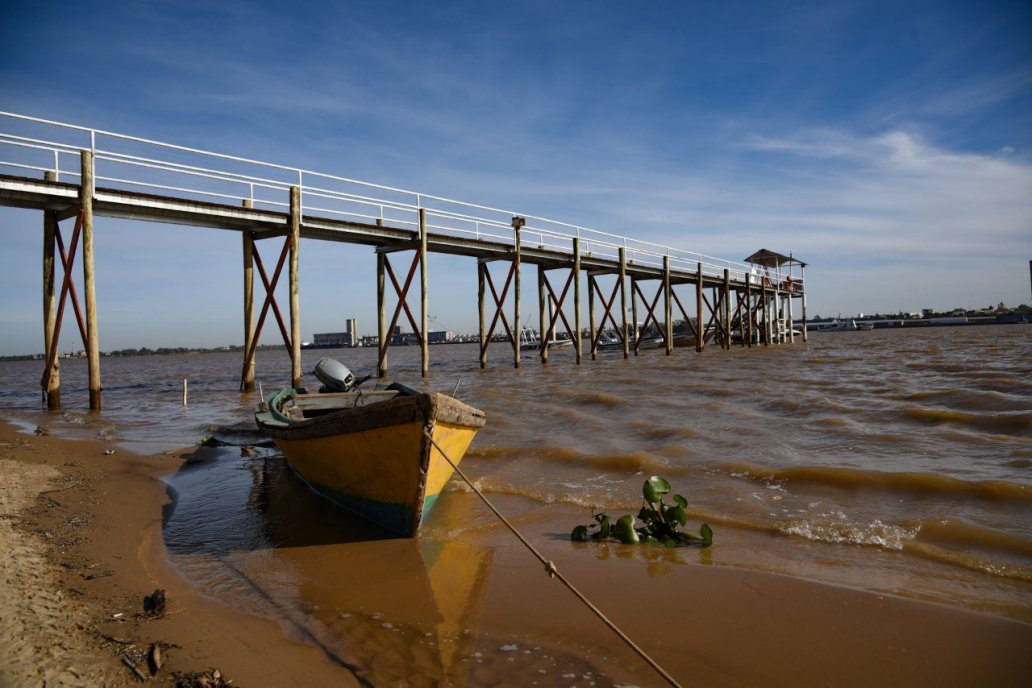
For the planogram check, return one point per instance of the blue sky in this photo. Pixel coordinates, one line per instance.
(889, 144)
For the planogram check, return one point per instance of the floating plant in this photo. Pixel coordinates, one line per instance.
(661, 522)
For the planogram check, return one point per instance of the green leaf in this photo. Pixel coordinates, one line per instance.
(654, 489)
(579, 534)
(707, 535)
(675, 514)
(603, 528)
(681, 501)
(625, 531)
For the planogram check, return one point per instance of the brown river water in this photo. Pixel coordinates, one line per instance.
(893, 461)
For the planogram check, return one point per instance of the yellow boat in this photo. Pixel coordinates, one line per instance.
(370, 451)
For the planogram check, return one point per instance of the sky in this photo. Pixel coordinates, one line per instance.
(886, 143)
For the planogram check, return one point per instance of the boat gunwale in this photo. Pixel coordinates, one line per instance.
(430, 408)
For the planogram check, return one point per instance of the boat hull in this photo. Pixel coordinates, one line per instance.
(378, 460)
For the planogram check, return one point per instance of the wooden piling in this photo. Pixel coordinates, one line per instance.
(295, 292)
(89, 278)
(727, 309)
(577, 343)
(424, 281)
(700, 326)
(381, 315)
(750, 322)
(53, 389)
(634, 314)
(802, 278)
(591, 316)
(791, 323)
(623, 302)
(481, 278)
(668, 313)
(765, 313)
(542, 314)
(247, 375)
(517, 223)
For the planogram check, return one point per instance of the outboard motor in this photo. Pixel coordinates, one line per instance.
(335, 376)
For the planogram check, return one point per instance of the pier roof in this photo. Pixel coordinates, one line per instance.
(770, 259)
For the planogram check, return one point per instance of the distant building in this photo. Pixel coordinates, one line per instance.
(327, 340)
(331, 340)
(439, 337)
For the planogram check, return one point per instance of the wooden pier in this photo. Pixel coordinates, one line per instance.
(46, 166)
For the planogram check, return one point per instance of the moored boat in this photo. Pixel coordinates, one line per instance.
(370, 451)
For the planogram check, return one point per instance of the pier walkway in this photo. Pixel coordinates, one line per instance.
(72, 172)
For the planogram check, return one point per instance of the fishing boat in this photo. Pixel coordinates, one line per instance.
(371, 450)
(530, 341)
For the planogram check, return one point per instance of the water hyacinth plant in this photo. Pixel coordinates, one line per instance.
(661, 522)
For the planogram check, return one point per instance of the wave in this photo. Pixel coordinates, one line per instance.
(852, 478)
(970, 561)
(1006, 422)
(968, 535)
(970, 399)
(875, 533)
(659, 432)
(597, 399)
(632, 462)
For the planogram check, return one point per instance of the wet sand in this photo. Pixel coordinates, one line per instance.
(81, 536)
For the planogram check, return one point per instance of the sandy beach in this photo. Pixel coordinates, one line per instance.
(81, 535)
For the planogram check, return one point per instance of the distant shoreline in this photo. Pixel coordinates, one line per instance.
(811, 326)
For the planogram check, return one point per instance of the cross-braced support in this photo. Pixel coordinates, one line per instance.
(291, 339)
(620, 329)
(485, 283)
(651, 319)
(52, 317)
(384, 269)
(551, 310)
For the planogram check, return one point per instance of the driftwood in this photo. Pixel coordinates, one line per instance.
(154, 658)
(135, 669)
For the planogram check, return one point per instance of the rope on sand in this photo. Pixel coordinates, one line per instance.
(553, 572)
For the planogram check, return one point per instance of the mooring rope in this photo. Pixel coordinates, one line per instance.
(553, 572)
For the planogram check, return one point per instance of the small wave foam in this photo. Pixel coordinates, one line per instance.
(875, 533)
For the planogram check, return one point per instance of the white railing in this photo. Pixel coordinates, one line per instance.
(33, 145)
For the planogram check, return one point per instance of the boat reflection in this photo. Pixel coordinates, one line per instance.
(391, 610)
